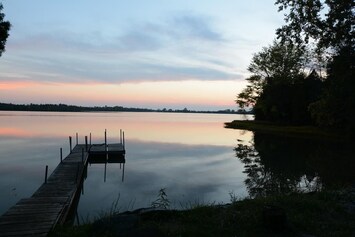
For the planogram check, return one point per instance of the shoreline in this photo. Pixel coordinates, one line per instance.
(304, 131)
(324, 213)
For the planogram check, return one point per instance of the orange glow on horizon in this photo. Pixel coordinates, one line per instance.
(148, 127)
(14, 132)
(7, 85)
(164, 93)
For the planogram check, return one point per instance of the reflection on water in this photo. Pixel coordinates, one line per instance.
(105, 159)
(191, 155)
(279, 164)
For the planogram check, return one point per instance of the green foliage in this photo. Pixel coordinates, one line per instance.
(330, 23)
(278, 89)
(336, 108)
(279, 61)
(4, 30)
(280, 92)
(286, 102)
(284, 62)
(249, 95)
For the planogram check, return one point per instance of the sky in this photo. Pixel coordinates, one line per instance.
(152, 54)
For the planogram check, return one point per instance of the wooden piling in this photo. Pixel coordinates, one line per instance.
(77, 139)
(90, 139)
(123, 141)
(46, 175)
(61, 155)
(105, 140)
(86, 143)
(70, 145)
(123, 173)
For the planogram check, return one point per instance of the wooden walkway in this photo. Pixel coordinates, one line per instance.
(50, 204)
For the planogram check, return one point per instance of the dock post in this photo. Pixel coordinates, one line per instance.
(123, 173)
(123, 140)
(105, 140)
(70, 144)
(82, 155)
(90, 139)
(46, 174)
(86, 143)
(77, 139)
(61, 155)
(121, 136)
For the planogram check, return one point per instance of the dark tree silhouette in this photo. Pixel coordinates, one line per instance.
(278, 164)
(278, 90)
(330, 25)
(4, 30)
(321, 32)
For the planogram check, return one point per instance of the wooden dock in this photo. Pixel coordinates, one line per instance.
(52, 202)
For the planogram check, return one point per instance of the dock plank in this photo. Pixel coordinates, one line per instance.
(37, 215)
(50, 203)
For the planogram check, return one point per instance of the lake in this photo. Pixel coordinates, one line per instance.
(192, 156)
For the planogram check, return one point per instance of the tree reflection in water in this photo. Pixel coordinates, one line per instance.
(277, 164)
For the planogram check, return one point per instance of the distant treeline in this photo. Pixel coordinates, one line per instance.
(74, 108)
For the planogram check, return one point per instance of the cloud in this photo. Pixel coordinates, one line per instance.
(195, 26)
(169, 50)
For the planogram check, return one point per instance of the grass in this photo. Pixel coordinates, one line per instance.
(316, 214)
(299, 131)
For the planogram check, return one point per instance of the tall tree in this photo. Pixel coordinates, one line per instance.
(331, 24)
(275, 62)
(277, 79)
(4, 30)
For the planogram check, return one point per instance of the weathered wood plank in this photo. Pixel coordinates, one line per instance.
(37, 215)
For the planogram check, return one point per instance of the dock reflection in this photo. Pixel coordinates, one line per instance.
(105, 159)
(94, 159)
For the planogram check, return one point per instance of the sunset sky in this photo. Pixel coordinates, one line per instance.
(153, 54)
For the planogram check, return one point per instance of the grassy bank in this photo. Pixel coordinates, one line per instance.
(301, 131)
(298, 214)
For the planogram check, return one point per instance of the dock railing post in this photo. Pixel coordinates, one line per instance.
(46, 174)
(82, 155)
(86, 143)
(121, 136)
(123, 140)
(77, 139)
(90, 139)
(105, 140)
(70, 144)
(61, 155)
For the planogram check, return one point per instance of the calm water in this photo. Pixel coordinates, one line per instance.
(192, 156)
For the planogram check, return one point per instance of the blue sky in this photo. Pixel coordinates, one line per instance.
(152, 54)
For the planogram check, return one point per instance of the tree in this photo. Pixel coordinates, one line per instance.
(330, 24)
(278, 61)
(4, 30)
(278, 74)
